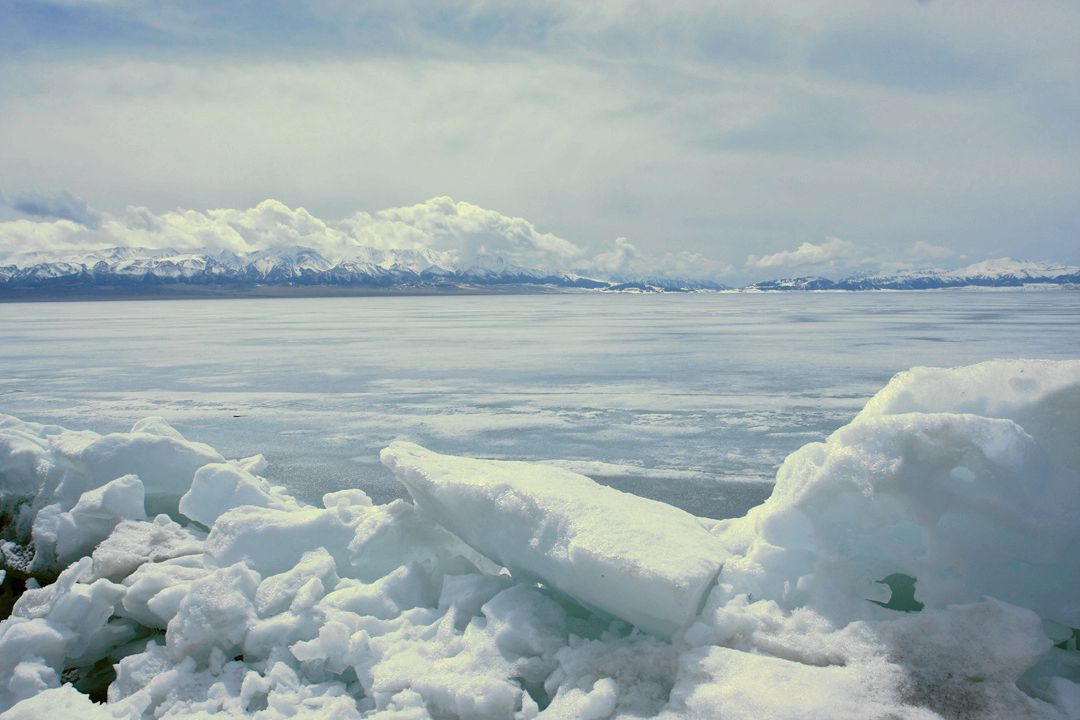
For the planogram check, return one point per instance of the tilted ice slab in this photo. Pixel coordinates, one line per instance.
(643, 561)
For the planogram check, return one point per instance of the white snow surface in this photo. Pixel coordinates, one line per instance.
(922, 562)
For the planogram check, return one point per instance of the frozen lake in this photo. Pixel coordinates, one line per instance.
(691, 399)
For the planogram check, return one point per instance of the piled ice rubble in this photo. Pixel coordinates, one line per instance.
(923, 562)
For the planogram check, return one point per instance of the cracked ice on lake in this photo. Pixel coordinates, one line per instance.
(510, 590)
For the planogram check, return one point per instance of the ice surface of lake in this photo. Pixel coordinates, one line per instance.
(691, 399)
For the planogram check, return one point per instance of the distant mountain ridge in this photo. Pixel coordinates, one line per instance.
(373, 268)
(436, 246)
(1002, 272)
(135, 271)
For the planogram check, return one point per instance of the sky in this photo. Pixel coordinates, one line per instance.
(741, 140)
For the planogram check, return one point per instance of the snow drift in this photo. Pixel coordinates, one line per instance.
(921, 563)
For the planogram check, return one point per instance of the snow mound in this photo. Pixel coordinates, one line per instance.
(946, 500)
(1041, 396)
(922, 563)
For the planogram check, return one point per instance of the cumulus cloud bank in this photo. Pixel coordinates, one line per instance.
(842, 256)
(457, 232)
(473, 232)
(807, 254)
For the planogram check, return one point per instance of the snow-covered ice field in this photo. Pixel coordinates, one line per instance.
(679, 398)
(918, 558)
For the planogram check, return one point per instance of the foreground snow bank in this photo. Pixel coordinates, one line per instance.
(921, 563)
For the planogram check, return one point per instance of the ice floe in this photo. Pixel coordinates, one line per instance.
(922, 562)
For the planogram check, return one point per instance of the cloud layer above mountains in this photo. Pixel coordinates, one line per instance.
(834, 256)
(439, 232)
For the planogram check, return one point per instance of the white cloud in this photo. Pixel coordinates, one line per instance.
(477, 235)
(841, 258)
(472, 234)
(22, 238)
(827, 253)
(621, 259)
(921, 248)
(270, 224)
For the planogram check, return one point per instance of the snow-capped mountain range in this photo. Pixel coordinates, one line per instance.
(132, 271)
(439, 245)
(1002, 272)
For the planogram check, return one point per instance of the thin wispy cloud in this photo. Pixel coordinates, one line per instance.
(60, 206)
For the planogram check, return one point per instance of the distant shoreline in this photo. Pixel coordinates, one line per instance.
(181, 291)
(217, 292)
